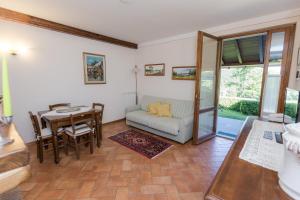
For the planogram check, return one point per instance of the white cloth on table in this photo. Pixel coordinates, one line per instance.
(261, 151)
(55, 113)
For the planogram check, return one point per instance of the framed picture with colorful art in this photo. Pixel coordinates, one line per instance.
(155, 69)
(184, 73)
(94, 68)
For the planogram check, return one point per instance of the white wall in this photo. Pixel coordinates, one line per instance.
(181, 50)
(174, 53)
(52, 72)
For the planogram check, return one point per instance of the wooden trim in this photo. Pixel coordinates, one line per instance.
(211, 36)
(206, 110)
(243, 64)
(197, 110)
(197, 87)
(240, 34)
(184, 79)
(206, 138)
(265, 71)
(11, 15)
(287, 56)
(163, 73)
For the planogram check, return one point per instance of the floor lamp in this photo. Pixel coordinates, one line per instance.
(135, 70)
(6, 103)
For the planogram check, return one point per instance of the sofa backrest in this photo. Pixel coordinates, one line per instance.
(179, 108)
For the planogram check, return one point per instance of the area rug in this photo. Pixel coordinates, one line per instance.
(141, 143)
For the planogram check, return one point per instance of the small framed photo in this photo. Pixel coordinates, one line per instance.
(155, 69)
(94, 68)
(184, 73)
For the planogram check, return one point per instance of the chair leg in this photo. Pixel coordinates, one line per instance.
(40, 150)
(76, 148)
(91, 142)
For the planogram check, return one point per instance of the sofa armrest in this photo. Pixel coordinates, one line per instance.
(132, 108)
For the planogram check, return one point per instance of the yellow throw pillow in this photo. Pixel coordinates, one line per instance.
(153, 108)
(164, 110)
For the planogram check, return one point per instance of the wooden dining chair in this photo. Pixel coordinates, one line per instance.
(99, 107)
(59, 106)
(44, 137)
(81, 125)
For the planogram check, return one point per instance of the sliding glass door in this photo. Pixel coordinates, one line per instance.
(206, 87)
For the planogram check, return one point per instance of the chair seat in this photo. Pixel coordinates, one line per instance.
(46, 132)
(79, 130)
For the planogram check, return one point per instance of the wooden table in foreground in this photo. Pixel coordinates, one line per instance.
(57, 122)
(14, 161)
(241, 180)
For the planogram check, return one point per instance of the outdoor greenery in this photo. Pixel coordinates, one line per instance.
(291, 109)
(240, 92)
(231, 114)
(243, 82)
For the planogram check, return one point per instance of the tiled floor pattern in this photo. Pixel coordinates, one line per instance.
(113, 172)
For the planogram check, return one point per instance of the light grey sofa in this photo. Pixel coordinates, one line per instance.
(179, 127)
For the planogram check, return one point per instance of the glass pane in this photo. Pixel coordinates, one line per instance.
(207, 86)
(208, 73)
(272, 84)
(206, 124)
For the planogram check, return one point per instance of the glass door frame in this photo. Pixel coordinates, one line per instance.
(287, 54)
(197, 111)
(287, 57)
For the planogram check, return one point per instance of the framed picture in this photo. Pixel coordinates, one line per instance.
(94, 68)
(184, 73)
(155, 69)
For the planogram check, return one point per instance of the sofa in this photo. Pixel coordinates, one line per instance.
(179, 127)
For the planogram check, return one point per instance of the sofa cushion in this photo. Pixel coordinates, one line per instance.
(139, 116)
(179, 108)
(165, 124)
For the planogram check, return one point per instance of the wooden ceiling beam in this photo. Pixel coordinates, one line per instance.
(238, 51)
(11, 15)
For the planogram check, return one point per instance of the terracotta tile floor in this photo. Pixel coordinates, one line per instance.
(113, 172)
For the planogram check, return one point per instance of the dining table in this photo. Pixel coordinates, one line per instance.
(56, 120)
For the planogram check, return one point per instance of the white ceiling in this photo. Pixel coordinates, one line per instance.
(147, 20)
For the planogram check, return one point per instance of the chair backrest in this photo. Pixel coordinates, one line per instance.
(59, 106)
(82, 118)
(99, 107)
(35, 124)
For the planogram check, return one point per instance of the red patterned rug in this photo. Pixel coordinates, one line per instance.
(144, 144)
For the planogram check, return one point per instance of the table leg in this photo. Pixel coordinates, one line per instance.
(55, 143)
(98, 134)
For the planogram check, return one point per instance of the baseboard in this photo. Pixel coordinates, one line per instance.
(115, 121)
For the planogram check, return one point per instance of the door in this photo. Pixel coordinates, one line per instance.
(279, 49)
(206, 87)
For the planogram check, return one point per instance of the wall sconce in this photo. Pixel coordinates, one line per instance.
(6, 48)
